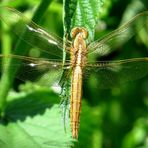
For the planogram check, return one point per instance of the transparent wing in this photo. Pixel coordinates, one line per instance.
(118, 37)
(44, 72)
(114, 73)
(31, 33)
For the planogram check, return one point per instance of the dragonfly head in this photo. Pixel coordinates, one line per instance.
(79, 30)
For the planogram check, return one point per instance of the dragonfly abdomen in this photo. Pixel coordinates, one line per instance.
(76, 95)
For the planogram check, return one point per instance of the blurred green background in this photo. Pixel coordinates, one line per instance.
(111, 118)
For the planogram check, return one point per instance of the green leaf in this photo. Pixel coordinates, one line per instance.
(80, 13)
(33, 121)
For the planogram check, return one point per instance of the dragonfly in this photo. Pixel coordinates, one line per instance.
(77, 66)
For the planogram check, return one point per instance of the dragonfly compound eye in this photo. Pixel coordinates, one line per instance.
(78, 30)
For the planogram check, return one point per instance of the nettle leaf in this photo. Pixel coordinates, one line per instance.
(34, 120)
(80, 13)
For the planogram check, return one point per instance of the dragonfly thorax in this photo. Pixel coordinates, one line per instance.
(79, 47)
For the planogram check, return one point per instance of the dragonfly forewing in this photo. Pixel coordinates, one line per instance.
(115, 73)
(118, 37)
(32, 34)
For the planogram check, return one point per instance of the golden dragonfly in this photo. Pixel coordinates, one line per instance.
(78, 55)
